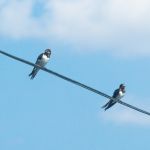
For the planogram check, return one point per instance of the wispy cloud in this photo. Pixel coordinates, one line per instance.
(16, 141)
(117, 26)
(126, 116)
(17, 21)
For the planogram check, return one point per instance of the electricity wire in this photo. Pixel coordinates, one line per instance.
(73, 81)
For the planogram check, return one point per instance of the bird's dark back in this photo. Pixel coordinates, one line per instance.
(115, 94)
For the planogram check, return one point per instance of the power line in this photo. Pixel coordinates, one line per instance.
(73, 81)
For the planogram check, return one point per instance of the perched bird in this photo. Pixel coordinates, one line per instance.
(41, 61)
(117, 95)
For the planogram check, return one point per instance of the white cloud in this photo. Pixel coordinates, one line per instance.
(16, 20)
(118, 26)
(126, 117)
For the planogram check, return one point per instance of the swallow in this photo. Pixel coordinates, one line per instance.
(42, 60)
(117, 95)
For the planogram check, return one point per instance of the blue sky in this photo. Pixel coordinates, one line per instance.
(99, 43)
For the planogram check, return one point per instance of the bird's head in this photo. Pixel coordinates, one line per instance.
(122, 87)
(47, 52)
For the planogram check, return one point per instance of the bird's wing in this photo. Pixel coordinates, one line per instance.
(39, 58)
(133, 107)
(116, 93)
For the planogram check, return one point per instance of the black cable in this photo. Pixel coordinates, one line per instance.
(133, 107)
(73, 81)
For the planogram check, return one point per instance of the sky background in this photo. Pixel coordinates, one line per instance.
(96, 42)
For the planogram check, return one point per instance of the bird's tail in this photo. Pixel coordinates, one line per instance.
(109, 105)
(105, 105)
(33, 73)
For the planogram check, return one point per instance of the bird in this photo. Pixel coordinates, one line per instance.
(42, 60)
(117, 95)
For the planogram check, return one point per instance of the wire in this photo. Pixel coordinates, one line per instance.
(133, 107)
(73, 81)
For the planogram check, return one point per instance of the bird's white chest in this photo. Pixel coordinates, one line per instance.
(43, 61)
(121, 94)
